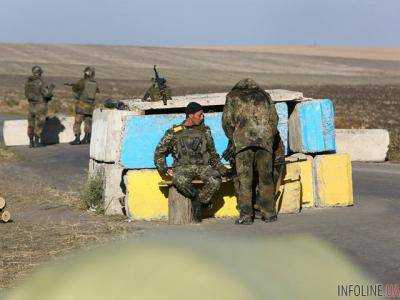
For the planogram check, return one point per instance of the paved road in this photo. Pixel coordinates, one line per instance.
(368, 232)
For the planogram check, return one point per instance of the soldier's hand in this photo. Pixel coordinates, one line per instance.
(170, 172)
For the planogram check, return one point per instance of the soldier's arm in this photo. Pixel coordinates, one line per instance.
(47, 91)
(273, 118)
(79, 86)
(163, 148)
(146, 95)
(215, 160)
(227, 118)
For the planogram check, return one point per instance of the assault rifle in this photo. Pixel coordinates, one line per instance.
(162, 85)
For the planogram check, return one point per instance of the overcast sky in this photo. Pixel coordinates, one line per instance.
(202, 22)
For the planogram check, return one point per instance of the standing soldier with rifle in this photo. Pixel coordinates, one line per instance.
(158, 90)
(85, 91)
(250, 123)
(38, 95)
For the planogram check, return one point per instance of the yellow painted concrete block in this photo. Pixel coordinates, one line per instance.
(146, 200)
(225, 202)
(290, 199)
(334, 185)
(307, 182)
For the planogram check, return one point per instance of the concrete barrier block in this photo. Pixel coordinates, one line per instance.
(107, 130)
(57, 129)
(311, 127)
(142, 134)
(113, 185)
(283, 113)
(333, 180)
(211, 99)
(290, 199)
(306, 177)
(145, 200)
(363, 144)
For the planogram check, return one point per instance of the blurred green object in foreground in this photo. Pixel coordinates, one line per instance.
(194, 265)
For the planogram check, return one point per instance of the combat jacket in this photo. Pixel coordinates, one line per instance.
(249, 118)
(37, 91)
(155, 94)
(85, 91)
(188, 146)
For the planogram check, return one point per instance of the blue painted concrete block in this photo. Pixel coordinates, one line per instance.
(312, 128)
(142, 134)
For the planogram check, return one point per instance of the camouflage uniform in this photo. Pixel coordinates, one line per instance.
(154, 94)
(38, 95)
(250, 121)
(85, 91)
(194, 155)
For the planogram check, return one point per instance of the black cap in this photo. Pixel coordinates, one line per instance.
(193, 107)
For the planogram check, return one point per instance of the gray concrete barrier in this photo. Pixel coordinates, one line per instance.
(363, 144)
(107, 131)
(58, 129)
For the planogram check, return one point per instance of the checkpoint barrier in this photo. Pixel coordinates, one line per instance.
(142, 134)
(107, 131)
(333, 180)
(363, 144)
(147, 200)
(57, 129)
(126, 140)
(113, 188)
(311, 127)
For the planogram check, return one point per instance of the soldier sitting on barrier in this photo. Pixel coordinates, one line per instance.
(192, 147)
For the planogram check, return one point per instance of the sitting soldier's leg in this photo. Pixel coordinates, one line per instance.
(266, 186)
(244, 170)
(77, 129)
(212, 183)
(182, 179)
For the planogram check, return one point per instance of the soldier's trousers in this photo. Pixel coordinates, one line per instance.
(249, 162)
(37, 112)
(183, 176)
(79, 118)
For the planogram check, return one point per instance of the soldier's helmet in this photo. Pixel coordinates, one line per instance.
(89, 72)
(37, 70)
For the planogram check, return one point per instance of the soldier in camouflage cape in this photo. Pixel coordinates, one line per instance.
(250, 123)
(154, 94)
(38, 95)
(85, 91)
(194, 154)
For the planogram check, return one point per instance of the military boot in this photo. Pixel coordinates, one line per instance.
(38, 142)
(86, 139)
(269, 219)
(31, 142)
(244, 220)
(76, 141)
(245, 216)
